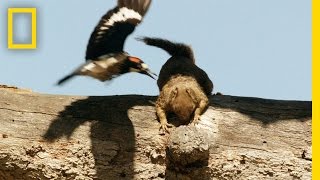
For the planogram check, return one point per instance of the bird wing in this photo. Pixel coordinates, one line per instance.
(114, 27)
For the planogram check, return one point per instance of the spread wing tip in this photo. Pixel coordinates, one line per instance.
(114, 27)
(140, 6)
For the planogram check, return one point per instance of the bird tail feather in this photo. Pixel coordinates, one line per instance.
(66, 78)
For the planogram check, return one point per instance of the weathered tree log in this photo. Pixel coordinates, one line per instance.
(116, 137)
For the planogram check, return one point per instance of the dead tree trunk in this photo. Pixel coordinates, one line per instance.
(116, 137)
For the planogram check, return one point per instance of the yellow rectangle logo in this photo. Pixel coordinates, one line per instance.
(33, 12)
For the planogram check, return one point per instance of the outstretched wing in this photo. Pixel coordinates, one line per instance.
(114, 27)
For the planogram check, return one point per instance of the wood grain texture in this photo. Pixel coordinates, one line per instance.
(116, 137)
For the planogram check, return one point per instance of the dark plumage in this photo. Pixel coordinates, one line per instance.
(105, 57)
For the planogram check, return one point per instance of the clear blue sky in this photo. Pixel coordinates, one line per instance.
(259, 48)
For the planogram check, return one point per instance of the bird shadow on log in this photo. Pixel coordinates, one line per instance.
(265, 110)
(110, 124)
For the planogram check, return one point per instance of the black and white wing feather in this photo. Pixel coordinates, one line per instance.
(114, 27)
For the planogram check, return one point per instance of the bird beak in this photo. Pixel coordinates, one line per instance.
(149, 73)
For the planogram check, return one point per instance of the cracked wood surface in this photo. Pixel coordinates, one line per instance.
(116, 137)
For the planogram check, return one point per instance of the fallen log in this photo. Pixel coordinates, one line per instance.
(116, 137)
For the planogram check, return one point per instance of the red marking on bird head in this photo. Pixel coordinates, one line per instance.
(135, 59)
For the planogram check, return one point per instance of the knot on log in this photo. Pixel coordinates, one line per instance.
(188, 148)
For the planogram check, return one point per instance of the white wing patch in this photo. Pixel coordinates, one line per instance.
(101, 65)
(103, 28)
(121, 16)
(88, 66)
(107, 62)
(130, 14)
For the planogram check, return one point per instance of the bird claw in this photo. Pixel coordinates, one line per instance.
(164, 128)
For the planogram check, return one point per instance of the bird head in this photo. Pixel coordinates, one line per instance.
(137, 65)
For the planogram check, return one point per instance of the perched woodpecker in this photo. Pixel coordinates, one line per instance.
(105, 58)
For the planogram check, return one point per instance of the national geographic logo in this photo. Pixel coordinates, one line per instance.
(12, 44)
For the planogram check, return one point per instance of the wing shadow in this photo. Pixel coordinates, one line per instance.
(109, 123)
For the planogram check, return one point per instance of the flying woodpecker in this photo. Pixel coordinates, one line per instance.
(105, 57)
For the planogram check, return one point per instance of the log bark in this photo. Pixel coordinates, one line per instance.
(116, 137)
